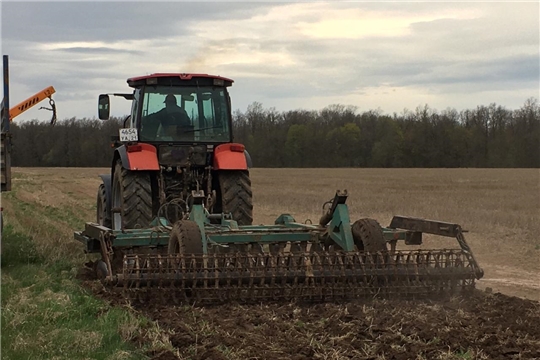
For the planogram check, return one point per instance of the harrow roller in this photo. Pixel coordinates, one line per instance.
(310, 276)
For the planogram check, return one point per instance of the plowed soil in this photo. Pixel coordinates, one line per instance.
(478, 326)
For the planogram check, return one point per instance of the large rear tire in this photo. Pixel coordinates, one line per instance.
(103, 216)
(236, 195)
(368, 235)
(132, 196)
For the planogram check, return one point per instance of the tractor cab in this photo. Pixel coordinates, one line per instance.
(177, 108)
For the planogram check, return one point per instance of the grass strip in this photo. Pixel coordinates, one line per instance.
(47, 315)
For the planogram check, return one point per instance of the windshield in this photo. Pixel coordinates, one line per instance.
(192, 114)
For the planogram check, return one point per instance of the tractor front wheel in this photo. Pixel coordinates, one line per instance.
(131, 203)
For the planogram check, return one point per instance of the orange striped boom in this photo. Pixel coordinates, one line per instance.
(30, 102)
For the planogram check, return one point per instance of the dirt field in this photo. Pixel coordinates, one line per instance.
(500, 208)
(482, 327)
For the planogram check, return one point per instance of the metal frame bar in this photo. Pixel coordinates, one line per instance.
(286, 230)
(5, 101)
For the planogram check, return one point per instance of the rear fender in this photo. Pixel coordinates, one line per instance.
(107, 181)
(140, 156)
(248, 159)
(231, 156)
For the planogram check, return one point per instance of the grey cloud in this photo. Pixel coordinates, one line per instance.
(339, 77)
(27, 24)
(98, 50)
(490, 73)
(91, 21)
(446, 56)
(75, 96)
(494, 30)
(71, 79)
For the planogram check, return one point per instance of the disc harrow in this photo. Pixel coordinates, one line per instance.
(196, 260)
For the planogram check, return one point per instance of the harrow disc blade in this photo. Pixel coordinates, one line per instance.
(301, 276)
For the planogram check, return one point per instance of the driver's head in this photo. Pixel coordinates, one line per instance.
(170, 100)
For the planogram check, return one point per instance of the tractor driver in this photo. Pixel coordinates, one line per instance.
(173, 113)
(168, 122)
(161, 123)
(173, 119)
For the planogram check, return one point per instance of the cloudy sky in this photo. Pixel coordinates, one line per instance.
(288, 55)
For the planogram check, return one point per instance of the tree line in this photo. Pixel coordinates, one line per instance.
(336, 136)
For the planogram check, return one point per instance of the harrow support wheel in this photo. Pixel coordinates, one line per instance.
(236, 195)
(131, 201)
(185, 238)
(103, 215)
(368, 235)
(100, 269)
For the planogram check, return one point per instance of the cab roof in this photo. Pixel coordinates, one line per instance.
(179, 79)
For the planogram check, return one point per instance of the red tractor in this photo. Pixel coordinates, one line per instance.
(178, 139)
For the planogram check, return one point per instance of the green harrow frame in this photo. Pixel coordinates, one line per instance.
(208, 257)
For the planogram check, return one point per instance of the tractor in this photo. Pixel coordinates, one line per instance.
(178, 139)
(174, 218)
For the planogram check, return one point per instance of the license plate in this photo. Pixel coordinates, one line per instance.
(128, 135)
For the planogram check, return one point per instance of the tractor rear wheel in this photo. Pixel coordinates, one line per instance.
(236, 195)
(131, 199)
(103, 214)
(368, 235)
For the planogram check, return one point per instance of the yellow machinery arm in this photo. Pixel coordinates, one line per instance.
(6, 117)
(31, 101)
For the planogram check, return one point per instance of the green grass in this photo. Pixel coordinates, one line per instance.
(464, 355)
(70, 216)
(47, 315)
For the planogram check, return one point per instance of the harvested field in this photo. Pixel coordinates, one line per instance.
(499, 207)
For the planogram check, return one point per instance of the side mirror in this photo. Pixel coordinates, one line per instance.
(103, 107)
